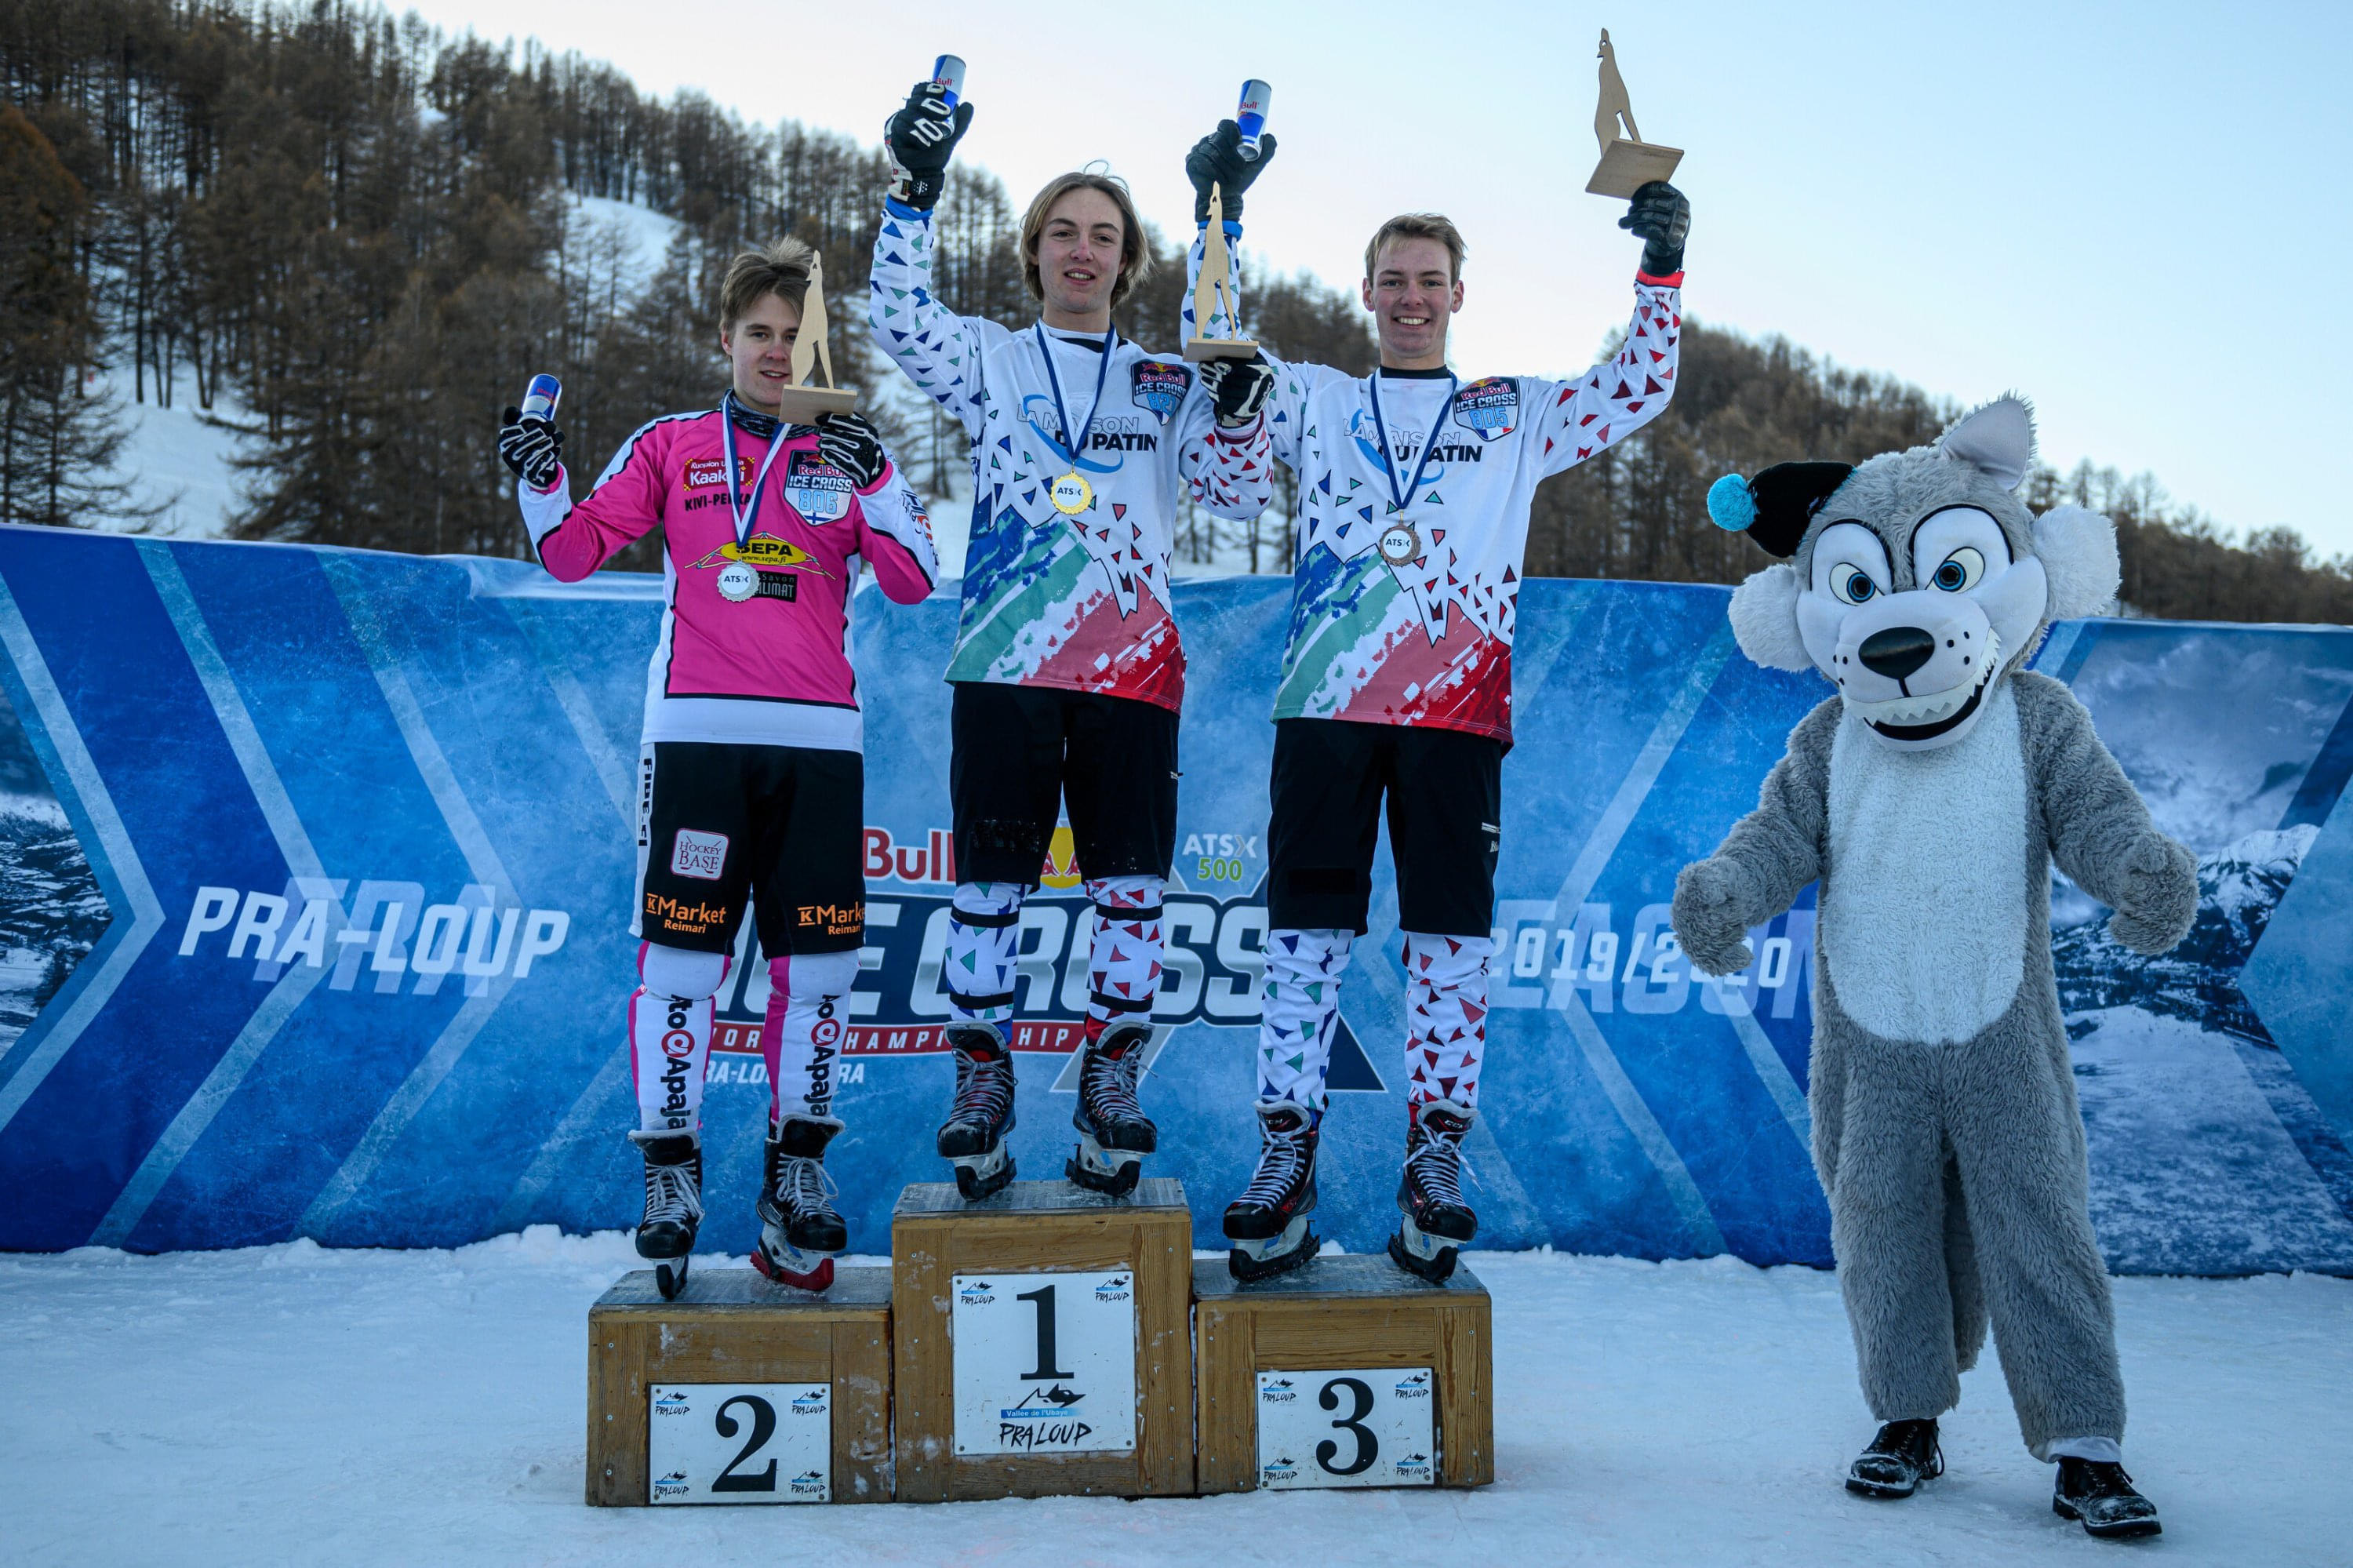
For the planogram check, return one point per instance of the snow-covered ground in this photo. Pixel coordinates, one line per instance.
(294, 1404)
(178, 458)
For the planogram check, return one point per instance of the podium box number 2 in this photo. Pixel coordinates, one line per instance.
(1040, 1345)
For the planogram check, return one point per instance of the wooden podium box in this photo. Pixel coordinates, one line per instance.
(1342, 1312)
(734, 1326)
(1011, 1370)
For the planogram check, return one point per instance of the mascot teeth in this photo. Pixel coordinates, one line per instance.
(1931, 707)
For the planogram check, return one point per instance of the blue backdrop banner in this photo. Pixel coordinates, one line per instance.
(313, 921)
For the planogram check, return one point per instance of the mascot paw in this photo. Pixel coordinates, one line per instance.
(2159, 902)
(1707, 918)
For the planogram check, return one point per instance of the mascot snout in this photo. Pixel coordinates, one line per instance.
(1913, 666)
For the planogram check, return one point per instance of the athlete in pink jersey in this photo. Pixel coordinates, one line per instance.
(751, 770)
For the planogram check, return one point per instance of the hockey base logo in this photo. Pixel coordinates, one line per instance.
(1160, 387)
(1490, 407)
(702, 855)
(819, 491)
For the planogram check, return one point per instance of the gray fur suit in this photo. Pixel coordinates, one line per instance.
(1929, 797)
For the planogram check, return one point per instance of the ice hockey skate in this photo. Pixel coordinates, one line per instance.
(1435, 1224)
(800, 1228)
(1114, 1135)
(974, 1134)
(674, 1204)
(1904, 1454)
(1268, 1223)
(2100, 1497)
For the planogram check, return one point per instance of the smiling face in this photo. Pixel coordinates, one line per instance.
(1412, 292)
(759, 349)
(1079, 255)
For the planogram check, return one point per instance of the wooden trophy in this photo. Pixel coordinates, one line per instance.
(1627, 163)
(1213, 293)
(809, 398)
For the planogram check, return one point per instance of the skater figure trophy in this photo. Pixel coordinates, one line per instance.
(1213, 294)
(1627, 163)
(813, 394)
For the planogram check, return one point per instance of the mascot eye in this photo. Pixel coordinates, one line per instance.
(1852, 584)
(1962, 570)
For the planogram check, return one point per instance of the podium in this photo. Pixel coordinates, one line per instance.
(740, 1391)
(1041, 1342)
(1348, 1371)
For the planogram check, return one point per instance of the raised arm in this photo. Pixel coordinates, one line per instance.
(2100, 832)
(1767, 859)
(938, 350)
(1618, 396)
(894, 533)
(574, 541)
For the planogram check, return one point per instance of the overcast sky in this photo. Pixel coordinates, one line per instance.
(2136, 215)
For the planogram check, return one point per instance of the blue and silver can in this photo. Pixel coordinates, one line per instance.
(540, 399)
(1252, 116)
(947, 75)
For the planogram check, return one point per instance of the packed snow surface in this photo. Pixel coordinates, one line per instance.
(296, 1404)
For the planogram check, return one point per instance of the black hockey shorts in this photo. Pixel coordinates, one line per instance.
(1023, 751)
(783, 822)
(1445, 795)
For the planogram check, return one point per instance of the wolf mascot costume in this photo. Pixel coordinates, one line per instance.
(1929, 797)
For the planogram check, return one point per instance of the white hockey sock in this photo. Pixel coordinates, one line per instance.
(806, 1025)
(670, 1034)
(984, 942)
(1446, 1017)
(1124, 952)
(1298, 1006)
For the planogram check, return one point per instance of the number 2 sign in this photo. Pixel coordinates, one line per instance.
(1366, 1428)
(739, 1443)
(1045, 1363)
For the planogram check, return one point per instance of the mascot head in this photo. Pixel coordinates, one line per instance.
(1917, 580)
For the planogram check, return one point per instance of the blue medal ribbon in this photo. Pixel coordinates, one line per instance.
(1103, 373)
(1388, 466)
(744, 516)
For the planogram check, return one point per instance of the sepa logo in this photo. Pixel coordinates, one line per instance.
(385, 934)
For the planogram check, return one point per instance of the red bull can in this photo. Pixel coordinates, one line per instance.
(947, 75)
(540, 399)
(1252, 116)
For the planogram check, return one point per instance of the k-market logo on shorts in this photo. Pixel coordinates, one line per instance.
(1490, 407)
(1160, 387)
(702, 855)
(817, 491)
(701, 473)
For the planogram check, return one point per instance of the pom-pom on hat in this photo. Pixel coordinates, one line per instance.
(1775, 507)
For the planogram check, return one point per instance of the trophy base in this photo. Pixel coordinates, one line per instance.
(1627, 167)
(806, 405)
(1199, 349)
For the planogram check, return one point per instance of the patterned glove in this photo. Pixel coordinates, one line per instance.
(1662, 215)
(854, 446)
(1216, 159)
(921, 138)
(533, 448)
(1239, 387)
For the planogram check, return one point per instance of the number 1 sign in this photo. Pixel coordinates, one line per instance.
(1367, 1428)
(1045, 1363)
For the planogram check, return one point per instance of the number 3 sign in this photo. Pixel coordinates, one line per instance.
(1367, 1428)
(1045, 1363)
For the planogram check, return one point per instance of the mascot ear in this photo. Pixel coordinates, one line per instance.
(1765, 619)
(2078, 552)
(1997, 439)
(1775, 507)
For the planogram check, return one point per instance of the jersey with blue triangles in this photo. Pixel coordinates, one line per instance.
(1079, 602)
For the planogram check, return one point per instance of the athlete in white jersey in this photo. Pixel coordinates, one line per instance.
(1414, 490)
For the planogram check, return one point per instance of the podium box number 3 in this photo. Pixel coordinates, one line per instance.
(1367, 1427)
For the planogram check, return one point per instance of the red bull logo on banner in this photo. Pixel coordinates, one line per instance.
(1490, 407)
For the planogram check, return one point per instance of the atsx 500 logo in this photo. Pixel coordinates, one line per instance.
(387, 931)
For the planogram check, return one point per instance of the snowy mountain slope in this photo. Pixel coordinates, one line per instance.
(179, 458)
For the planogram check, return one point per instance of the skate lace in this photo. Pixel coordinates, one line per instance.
(1108, 1084)
(1438, 1167)
(1278, 1163)
(805, 1185)
(670, 1195)
(983, 1089)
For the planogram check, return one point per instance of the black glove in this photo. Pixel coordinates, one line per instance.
(853, 446)
(533, 448)
(1662, 215)
(1217, 158)
(920, 139)
(1239, 387)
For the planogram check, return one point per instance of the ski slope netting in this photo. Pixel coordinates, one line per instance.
(299, 1405)
(228, 762)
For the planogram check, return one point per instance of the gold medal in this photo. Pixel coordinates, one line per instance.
(1400, 545)
(1070, 493)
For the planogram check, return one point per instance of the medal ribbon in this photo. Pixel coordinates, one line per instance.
(1388, 466)
(1103, 373)
(744, 516)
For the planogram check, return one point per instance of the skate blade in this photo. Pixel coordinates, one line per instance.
(1098, 1169)
(978, 1175)
(670, 1277)
(1295, 1248)
(1418, 1252)
(811, 1271)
